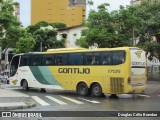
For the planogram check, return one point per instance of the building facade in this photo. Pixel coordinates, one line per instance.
(70, 12)
(151, 1)
(17, 11)
(70, 34)
(135, 2)
(154, 69)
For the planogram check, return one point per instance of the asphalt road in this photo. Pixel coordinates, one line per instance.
(70, 101)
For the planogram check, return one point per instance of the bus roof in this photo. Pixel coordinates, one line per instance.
(67, 50)
(72, 50)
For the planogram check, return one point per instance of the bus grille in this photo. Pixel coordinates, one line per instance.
(116, 85)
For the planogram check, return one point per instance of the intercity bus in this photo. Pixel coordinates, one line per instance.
(87, 71)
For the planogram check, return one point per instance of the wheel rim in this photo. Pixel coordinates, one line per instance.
(83, 89)
(96, 90)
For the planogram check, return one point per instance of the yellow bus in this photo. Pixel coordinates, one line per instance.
(87, 71)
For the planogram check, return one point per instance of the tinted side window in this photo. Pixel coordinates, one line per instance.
(25, 60)
(92, 58)
(106, 58)
(118, 57)
(48, 60)
(36, 60)
(76, 59)
(61, 59)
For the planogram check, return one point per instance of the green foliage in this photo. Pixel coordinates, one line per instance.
(12, 36)
(48, 39)
(58, 25)
(102, 29)
(82, 42)
(90, 2)
(46, 36)
(9, 25)
(32, 28)
(25, 44)
(149, 28)
(29, 39)
(115, 29)
(42, 24)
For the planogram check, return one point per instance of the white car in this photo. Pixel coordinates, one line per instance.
(4, 77)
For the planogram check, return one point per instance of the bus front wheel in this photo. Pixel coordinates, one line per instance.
(25, 85)
(83, 89)
(96, 90)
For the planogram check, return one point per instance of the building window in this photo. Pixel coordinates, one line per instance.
(64, 35)
(75, 35)
(156, 69)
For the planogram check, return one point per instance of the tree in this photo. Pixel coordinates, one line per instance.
(45, 36)
(9, 25)
(149, 28)
(39, 25)
(124, 22)
(48, 39)
(58, 25)
(101, 30)
(25, 44)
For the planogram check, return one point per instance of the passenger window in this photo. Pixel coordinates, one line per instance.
(118, 57)
(106, 58)
(61, 59)
(36, 60)
(48, 60)
(76, 59)
(25, 60)
(92, 58)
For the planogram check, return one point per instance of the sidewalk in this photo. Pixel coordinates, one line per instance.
(10, 100)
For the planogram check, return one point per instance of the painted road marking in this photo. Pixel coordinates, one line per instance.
(92, 101)
(70, 99)
(40, 101)
(56, 100)
(143, 95)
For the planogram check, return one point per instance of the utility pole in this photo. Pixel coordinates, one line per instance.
(40, 46)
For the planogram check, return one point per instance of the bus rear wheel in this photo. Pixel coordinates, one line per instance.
(96, 90)
(83, 89)
(25, 85)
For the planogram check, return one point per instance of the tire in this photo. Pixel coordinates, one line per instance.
(83, 89)
(96, 90)
(25, 85)
(43, 90)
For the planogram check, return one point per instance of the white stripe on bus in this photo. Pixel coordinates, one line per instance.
(40, 101)
(72, 100)
(56, 100)
(92, 101)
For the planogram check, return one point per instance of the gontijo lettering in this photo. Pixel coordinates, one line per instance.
(74, 70)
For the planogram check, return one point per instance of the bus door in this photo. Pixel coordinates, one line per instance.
(13, 69)
(138, 67)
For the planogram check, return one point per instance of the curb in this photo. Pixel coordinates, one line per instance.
(24, 105)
